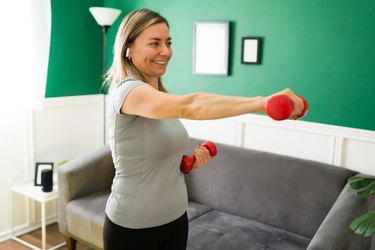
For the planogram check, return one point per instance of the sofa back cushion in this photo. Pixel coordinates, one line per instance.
(288, 193)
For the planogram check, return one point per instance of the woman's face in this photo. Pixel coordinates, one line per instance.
(151, 51)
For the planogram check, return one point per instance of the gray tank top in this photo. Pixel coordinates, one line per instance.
(148, 188)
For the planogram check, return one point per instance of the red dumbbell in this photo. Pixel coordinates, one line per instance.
(280, 107)
(188, 160)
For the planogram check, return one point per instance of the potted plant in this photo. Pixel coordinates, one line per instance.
(365, 187)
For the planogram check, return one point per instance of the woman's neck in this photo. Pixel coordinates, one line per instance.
(154, 82)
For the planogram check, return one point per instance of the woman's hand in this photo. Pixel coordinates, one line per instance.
(297, 102)
(202, 156)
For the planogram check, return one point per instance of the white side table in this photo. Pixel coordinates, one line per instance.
(32, 192)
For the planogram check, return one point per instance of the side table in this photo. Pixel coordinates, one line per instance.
(30, 191)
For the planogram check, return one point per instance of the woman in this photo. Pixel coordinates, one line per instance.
(147, 206)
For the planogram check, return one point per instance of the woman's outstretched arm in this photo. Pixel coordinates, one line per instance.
(145, 101)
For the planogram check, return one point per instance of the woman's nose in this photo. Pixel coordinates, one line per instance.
(166, 50)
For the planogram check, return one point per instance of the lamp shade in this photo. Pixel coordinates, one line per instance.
(104, 16)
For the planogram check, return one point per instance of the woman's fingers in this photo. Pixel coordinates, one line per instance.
(202, 156)
(297, 103)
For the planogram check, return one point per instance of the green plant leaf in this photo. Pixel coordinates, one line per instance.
(367, 192)
(358, 182)
(62, 162)
(364, 224)
(364, 185)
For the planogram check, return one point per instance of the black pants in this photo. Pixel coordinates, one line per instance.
(171, 236)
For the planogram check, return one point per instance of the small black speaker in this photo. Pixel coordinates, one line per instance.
(47, 180)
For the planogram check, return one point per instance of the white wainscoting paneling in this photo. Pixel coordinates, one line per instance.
(68, 127)
(290, 142)
(358, 154)
(222, 131)
(341, 146)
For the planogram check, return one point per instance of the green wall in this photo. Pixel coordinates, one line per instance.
(323, 50)
(75, 64)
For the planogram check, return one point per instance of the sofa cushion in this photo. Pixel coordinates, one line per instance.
(85, 217)
(195, 210)
(217, 230)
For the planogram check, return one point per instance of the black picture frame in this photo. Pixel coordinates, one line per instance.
(251, 48)
(39, 166)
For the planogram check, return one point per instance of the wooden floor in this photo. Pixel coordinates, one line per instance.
(54, 237)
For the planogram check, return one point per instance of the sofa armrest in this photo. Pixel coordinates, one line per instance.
(84, 175)
(334, 232)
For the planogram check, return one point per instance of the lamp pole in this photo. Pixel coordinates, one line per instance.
(104, 30)
(105, 17)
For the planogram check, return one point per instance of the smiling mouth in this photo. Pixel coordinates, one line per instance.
(160, 62)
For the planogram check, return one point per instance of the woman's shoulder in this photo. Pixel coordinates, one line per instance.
(130, 80)
(127, 84)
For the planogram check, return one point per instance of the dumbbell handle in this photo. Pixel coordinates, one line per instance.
(280, 107)
(188, 161)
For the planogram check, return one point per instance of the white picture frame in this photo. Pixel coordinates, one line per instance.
(211, 48)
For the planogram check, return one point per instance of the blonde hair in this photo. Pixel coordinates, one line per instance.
(131, 26)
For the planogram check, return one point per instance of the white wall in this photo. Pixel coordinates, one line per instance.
(70, 126)
(13, 155)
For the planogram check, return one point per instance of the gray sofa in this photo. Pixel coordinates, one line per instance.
(244, 199)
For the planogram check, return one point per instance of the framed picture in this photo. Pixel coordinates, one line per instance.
(38, 171)
(251, 50)
(211, 48)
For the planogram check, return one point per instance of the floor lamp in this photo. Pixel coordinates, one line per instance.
(105, 17)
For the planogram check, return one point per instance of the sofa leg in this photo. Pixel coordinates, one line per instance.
(70, 243)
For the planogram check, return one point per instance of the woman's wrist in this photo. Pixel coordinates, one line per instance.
(260, 104)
